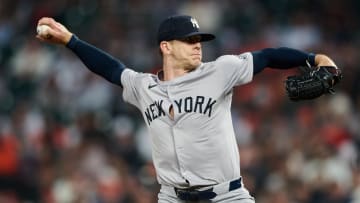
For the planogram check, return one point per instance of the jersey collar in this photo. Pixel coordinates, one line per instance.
(160, 75)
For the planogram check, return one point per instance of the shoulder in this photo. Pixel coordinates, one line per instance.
(234, 58)
(135, 74)
(131, 76)
(230, 61)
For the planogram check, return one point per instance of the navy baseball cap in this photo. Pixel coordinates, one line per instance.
(179, 27)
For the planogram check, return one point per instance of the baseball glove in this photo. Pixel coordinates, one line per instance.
(314, 82)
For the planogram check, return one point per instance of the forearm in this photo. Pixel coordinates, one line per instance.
(281, 58)
(323, 60)
(97, 60)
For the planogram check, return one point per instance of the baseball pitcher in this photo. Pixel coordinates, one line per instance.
(186, 106)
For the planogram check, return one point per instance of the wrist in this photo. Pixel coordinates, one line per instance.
(72, 41)
(323, 60)
(67, 38)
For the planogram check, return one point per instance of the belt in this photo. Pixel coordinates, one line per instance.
(196, 195)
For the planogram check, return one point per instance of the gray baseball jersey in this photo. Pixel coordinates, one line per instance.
(197, 146)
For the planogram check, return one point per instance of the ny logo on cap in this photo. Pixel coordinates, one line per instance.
(195, 23)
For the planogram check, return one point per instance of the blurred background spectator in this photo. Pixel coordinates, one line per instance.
(67, 136)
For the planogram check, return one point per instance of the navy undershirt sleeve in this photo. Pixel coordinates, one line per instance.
(281, 58)
(97, 60)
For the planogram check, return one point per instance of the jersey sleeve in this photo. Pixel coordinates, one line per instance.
(129, 80)
(234, 70)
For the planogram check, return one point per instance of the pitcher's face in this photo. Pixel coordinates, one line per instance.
(187, 52)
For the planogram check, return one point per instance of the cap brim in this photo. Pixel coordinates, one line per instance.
(204, 36)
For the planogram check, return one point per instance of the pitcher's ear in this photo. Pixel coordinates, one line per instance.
(164, 47)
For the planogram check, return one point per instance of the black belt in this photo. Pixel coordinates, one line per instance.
(196, 195)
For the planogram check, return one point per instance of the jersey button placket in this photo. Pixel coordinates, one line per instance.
(176, 129)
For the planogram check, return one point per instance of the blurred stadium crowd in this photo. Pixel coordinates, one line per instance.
(67, 136)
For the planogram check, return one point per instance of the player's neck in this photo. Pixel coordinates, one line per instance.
(171, 73)
(173, 70)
